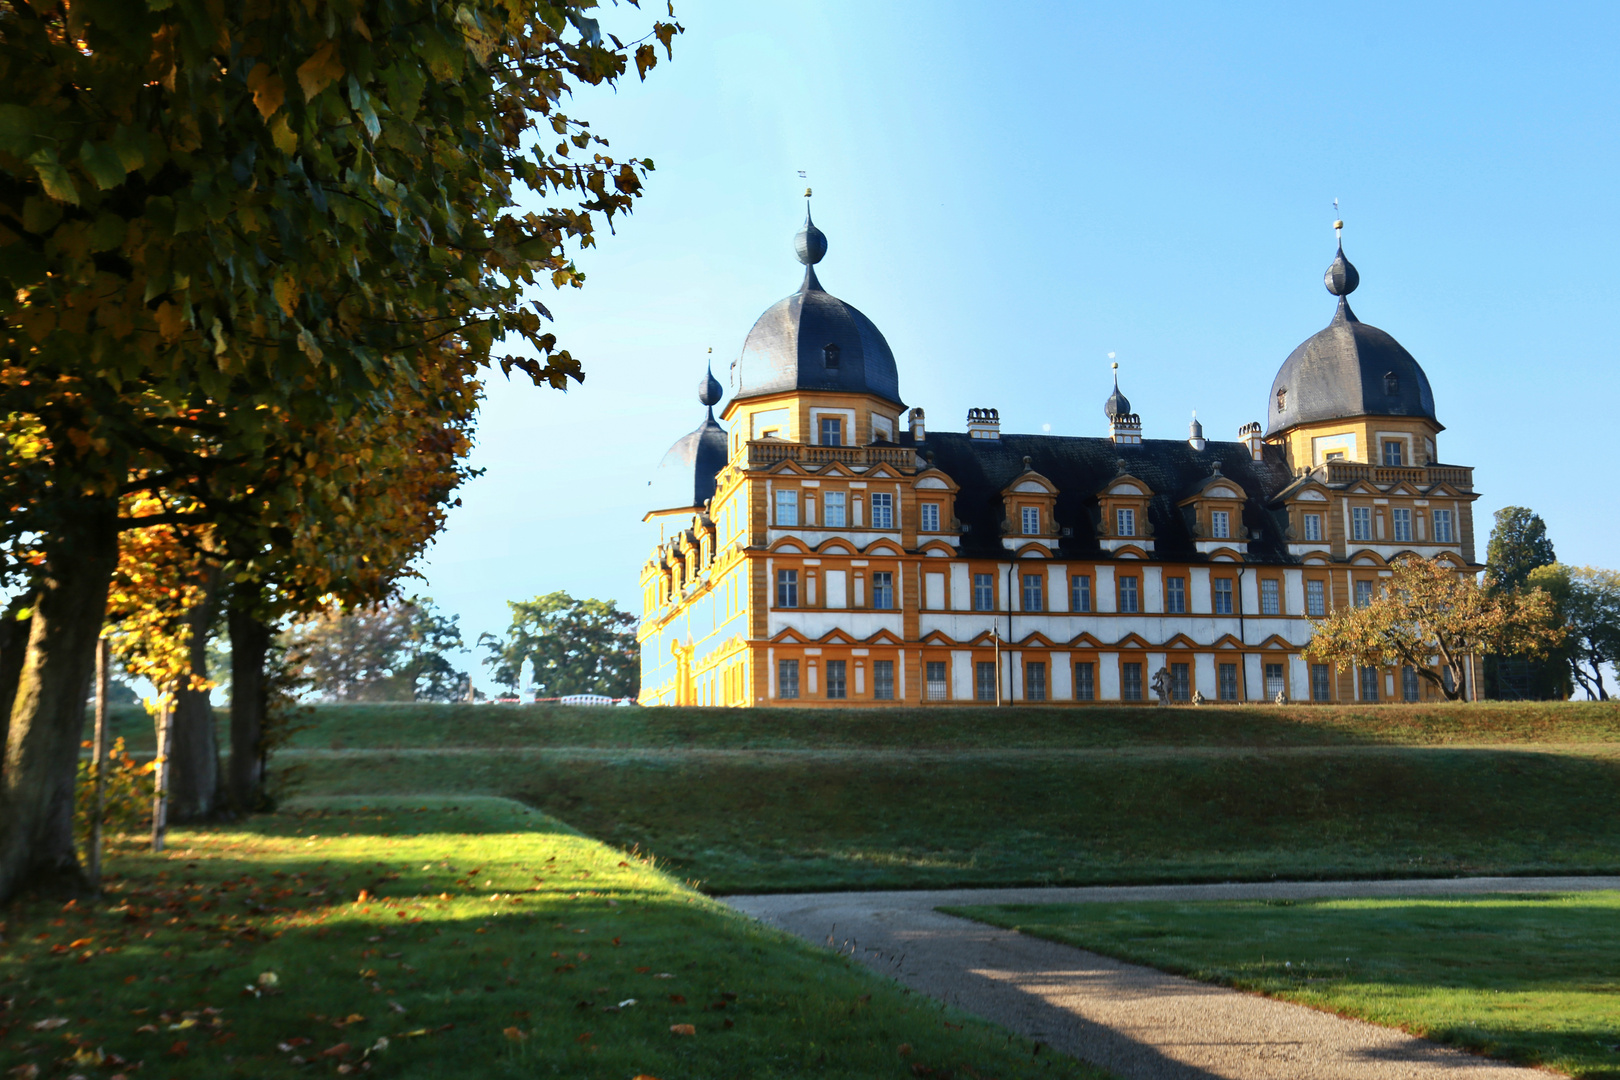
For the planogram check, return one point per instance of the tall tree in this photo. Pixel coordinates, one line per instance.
(1433, 619)
(1518, 545)
(216, 217)
(402, 651)
(1588, 601)
(573, 647)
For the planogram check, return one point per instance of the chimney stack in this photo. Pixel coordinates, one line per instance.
(1195, 434)
(919, 432)
(984, 424)
(1250, 433)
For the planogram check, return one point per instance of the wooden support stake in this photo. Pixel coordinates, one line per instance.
(98, 757)
(160, 793)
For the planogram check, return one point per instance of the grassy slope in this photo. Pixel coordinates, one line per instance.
(745, 800)
(495, 943)
(1529, 978)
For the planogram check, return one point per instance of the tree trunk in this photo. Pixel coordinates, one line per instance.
(193, 742)
(13, 647)
(47, 717)
(250, 644)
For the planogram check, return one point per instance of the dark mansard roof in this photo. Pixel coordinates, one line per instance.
(1347, 369)
(685, 477)
(814, 341)
(1082, 467)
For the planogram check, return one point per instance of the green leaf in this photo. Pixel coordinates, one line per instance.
(53, 177)
(16, 129)
(103, 164)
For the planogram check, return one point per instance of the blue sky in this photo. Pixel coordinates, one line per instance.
(1011, 194)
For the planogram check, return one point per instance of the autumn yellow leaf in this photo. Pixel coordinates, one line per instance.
(170, 323)
(320, 71)
(682, 1029)
(268, 90)
(287, 293)
(281, 133)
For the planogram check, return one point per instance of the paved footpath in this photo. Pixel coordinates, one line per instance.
(1138, 1022)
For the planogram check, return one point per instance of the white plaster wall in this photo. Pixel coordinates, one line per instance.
(961, 675)
(1060, 680)
(934, 591)
(813, 624)
(1199, 601)
(1057, 588)
(1255, 674)
(961, 587)
(1299, 679)
(1153, 588)
(1294, 591)
(1108, 676)
(1102, 597)
(1204, 675)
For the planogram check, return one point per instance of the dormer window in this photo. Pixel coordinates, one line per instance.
(829, 356)
(1220, 524)
(1032, 521)
(1282, 398)
(1124, 522)
(1392, 385)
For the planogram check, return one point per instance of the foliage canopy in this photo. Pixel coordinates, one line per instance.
(573, 647)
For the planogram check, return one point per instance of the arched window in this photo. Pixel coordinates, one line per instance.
(1392, 385)
(1282, 398)
(829, 356)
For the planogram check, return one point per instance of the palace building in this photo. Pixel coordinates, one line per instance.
(820, 545)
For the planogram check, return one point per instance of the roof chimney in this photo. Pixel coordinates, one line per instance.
(1250, 433)
(1126, 429)
(984, 424)
(919, 431)
(1195, 434)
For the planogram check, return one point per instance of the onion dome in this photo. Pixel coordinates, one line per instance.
(814, 341)
(1348, 369)
(685, 478)
(1117, 404)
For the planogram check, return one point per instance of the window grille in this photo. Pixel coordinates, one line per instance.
(1223, 596)
(934, 676)
(984, 680)
(882, 510)
(1175, 595)
(1181, 682)
(1128, 595)
(1080, 592)
(1315, 598)
(1085, 681)
(1369, 684)
(836, 687)
(1130, 681)
(1270, 598)
(1033, 599)
(883, 680)
(1034, 680)
(1275, 683)
(787, 678)
(1321, 688)
(984, 592)
(1226, 683)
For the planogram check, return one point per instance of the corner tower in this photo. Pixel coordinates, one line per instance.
(814, 370)
(1351, 392)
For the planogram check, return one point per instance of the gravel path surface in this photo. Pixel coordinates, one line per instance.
(1135, 1021)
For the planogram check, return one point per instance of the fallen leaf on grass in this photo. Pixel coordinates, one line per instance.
(682, 1029)
(397, 1007)
(49, 1025)
(336, 1051)
(515, 1034)
(677, 999)
(29, 1071)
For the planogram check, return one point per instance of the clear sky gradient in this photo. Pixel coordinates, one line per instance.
(1012, 193)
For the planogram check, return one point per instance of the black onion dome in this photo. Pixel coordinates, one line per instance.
(709, 390)
(685, 478)
(814, 341)
(1117, 404)
(1348, 369)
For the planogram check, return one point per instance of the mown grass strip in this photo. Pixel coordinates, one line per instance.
(954, 727)
(1529, 978)
(431, 938)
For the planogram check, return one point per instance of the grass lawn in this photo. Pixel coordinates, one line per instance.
(764, 822)
(428, 938)
(425, 725)
(1530, 978)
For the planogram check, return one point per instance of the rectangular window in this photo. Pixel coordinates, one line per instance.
(1321, 688)
(1125, 522)
(1181, 682)
(883, 590)
(1034, 680)
(1392, 452)
(1128, 594)
(1223, 596)
(837, 688)
(1270, 600)
(1403, 524)
(832, 509)
(934, 676)
(787, 678)
(1085, 681)
(984, 680)
(1409, 684)
(832, 431)
(882, 510)
(1130, 681)
(1226, 682)
(787, 507)
(1032, 521)
(1274, 682)
(1360, 523)
(1080, 592)
(1442, 527)
(930, 517)
(787, 588)
(984, 592)
(1369, 684)
(1364, 594)
(1220, 524)
(1175, 595)
(883, 680)
(1032, 592)
(1316, 598)
(1313, 528)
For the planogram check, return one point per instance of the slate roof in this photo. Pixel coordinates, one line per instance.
(788, 347)
(685, 477)
(1346, 369)
(1081, 467)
